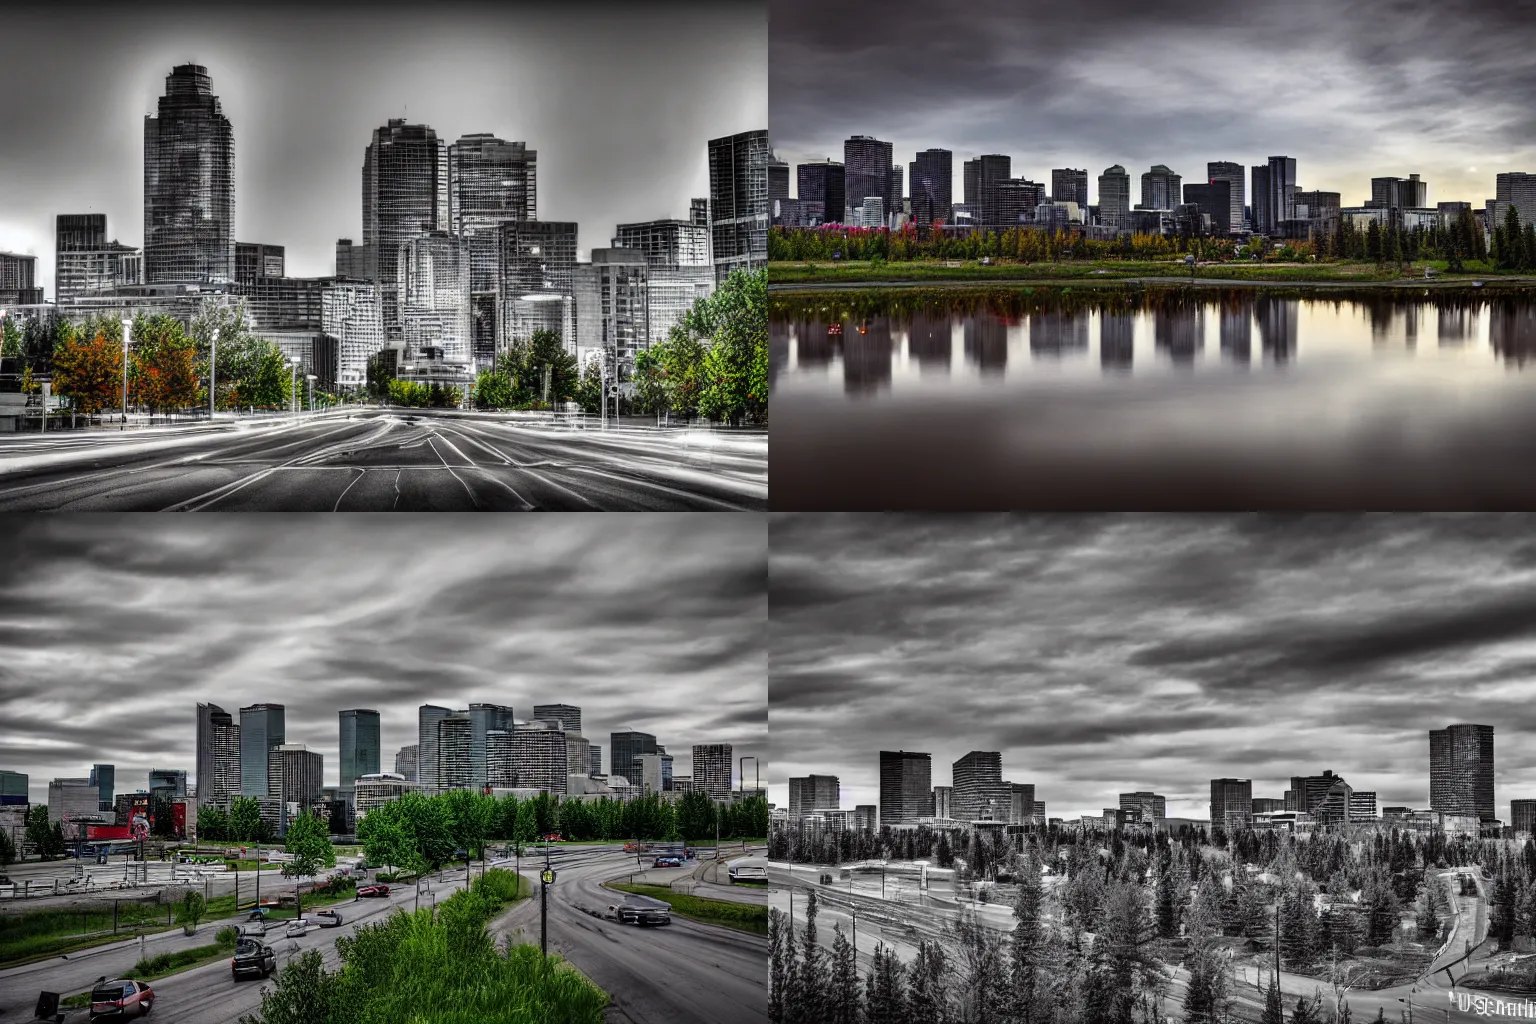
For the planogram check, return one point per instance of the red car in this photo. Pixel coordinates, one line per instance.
(372, 890)
(120, 999)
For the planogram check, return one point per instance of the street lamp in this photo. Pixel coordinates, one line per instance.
(213, 357)
(127, 334)
(293, 384)
(311, 378)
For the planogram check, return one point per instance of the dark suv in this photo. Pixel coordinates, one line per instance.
(252, 957)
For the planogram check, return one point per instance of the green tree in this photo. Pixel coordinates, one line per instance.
(1513, 251)
(245, 819)
(212, 822)
(10, 338)
(696, 816)
(546, 353)
(191, 910)
(735, 319)
(308, 843)
(38, 829)
(269, 380)
(589, 389)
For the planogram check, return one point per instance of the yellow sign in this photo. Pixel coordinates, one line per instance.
(547, 876)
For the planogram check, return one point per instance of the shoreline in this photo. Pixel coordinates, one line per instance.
(1499, 284)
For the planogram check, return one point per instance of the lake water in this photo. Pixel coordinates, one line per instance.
(1156, 399)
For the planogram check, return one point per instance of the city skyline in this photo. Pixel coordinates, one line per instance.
(1351, 91)
(118, 627)
(1103, 655)
(610, 153)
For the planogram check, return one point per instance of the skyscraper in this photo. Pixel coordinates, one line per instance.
(189, 183)
(1069, 185)
(1398, 193)
(1461, 770)
(103, 777)
(1282, 189)
(932, 185)
(1160, 188)
(1517, 189)
(866, 172)
(612, 306)
(85, 263)
(405, 762)
(427, 717)
(489, 181)
(455, 752)
(738, 201)
(1262, 222)
(778, 179)
(906, 786)
(405, 195)
(1213, 199)
(979, 790)
(1114, 196)
(484, 718)
(261, 731)
(676, 243)
(712, 769)
(295, 774)
(812, 793)
(359, 745)
(1232, 174)
(567, 715)
(539, 757)
(595, 752)
(823, 181)
(1151, 809)
(173, 781)
(433, 296)
(983, 175)
(1231, 804)
(625, 746)
(1522, 816)
(218, 755)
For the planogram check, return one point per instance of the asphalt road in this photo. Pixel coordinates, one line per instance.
(681, 973)
(386, 460)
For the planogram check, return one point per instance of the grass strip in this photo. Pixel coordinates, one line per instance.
(744, 917)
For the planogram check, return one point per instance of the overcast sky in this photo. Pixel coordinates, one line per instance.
(1350, 88)
(113, 628)
(1107, 655)
(618, 100)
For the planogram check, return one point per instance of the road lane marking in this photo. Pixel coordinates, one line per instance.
(360, 474)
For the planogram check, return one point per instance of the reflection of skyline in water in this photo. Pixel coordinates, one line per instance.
(869, 353)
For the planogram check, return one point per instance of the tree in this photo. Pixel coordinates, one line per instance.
(1026, 945)
(308, 842)
(589, 389)
(1274, 1010)
(245, 819)
(89, 371)
(1305, 1013)
(38, 831)
(842, 992)
(735, 319)
(885, 990)
(162, 821)
(10, 338)
(696, 816)
(7, 850)
(212, 822)
(191, 910)
(268, 383)
(547, 353)
(162, 373)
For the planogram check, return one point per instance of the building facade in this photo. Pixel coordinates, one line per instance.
(483, 718)
(666, 242)
(85, 263)
(811, 792)
(189, 183)
(568, 715)
(979, 790)
(262, 730)
(539, 758)
(932, 186)
(1231, 804)
(1114, 197)
(433, 290)
(1232, 174)
(906, 787)
(1069, 185)
(218, 755)
(1461, 770)
(405, 195)
(1160, 188)
(866, 172)
(359, 747)
(625, 746)
(822, 183)
(738, 201)
(712, 769)
(352, 313)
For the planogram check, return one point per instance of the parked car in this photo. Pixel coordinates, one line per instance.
(252, 957)
(372, 890)
(667, 860)
(328, 918)
(298, 927)
(256, 927)
(121, 998)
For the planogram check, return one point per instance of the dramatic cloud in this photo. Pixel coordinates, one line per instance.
(1103, 655)
(113, 628)
(619, 101)
(1350, 88)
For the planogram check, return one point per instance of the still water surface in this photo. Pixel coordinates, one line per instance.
(1157, 402)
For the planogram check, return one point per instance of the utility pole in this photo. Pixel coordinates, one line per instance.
(546, 879)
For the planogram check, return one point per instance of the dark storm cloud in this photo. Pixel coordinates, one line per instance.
(1351, 89)
(112, 629)
(619, 101)
(1105, 654)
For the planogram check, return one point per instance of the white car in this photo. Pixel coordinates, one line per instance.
(298, 926)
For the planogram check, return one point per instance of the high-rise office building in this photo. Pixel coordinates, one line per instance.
(1461, 770)
(812, 792)
(85, 263)
(625, 746)
(866, 172)
(1021, 810)
(1262, 219)
(433, 294)
(595, 754)
(539, 757)
(1522, 817)
(489, 181)
(405, 762)
(932, 184)
(895, 198)
(738, 201)
(262, 730)
(712, 769)
(567, 715)
(255, 260)
(1149, 808)
(823, 181)
(405, 195)
(1213, 199)
(18, 280)
(1069, 185)
(103, 777)
(1231, 804)
(484, 718)
(359, 745)
(189, 183)
(1114, 197)
(677, 243)
(1281, 204)
(172, 781)
(72, 799)
(906, 786)
(456, 767)
(1390, 193)
(13, 788)
(778, 179)
(218, 755)
(666, 767)
(612, 306)
(1160, 188)
(295, 775)
(427, 717)
(645, 774)
(980, 794)
(352, 312)
(535, 278)
(1232, 174)
(1517, 189)
(578, 752)
(943, 797)
(983, 175)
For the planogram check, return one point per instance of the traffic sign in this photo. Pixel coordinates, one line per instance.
(547, 876)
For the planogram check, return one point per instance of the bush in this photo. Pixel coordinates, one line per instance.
(227, 936)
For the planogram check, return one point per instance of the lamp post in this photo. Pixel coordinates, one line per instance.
(310, 379)
(127, 334)
(294, 363)
(213, 358)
